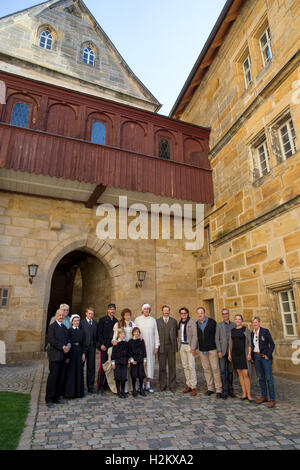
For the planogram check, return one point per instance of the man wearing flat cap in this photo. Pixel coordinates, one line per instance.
(104, 337)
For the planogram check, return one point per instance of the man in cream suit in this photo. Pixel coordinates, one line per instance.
(187, 343)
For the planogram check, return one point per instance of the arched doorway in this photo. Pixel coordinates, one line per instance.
(80, 280)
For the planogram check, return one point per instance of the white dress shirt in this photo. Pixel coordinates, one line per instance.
(256, 341)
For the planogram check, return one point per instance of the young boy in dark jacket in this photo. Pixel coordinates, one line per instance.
(120, 364)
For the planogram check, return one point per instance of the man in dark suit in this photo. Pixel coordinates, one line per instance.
(58, 348)
(104, 338)
(262, 350)
(167, 331)
(90, 326)
(223, 333)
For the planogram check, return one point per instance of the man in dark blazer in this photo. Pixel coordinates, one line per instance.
(58, 348)
(223, 333)
(104, 338)
(90, 326)
(168, 332)
(262, 354)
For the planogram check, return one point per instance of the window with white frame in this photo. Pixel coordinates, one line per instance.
(46, 39)
(247, 71)
(4, 295)
(287, 138)
(262, 156)
(288, 312)
(89, 56)
(266, 47)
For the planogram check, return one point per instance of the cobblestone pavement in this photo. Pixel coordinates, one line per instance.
(171, 421)
(18, 377)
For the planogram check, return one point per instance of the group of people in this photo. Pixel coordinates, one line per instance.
(128, 350)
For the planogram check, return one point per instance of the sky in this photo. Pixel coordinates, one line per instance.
(159, 39)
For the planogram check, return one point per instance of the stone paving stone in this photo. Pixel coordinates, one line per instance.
(183, 422)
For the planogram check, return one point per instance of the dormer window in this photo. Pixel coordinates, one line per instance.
(46, 39)
(88, 56)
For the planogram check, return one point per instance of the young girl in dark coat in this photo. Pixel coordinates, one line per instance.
(120, 364)
(138, 359)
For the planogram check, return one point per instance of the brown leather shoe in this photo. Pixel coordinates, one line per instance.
(172, 389)
(187, 390)
(194, 392)
(271, 404)
(262, 400)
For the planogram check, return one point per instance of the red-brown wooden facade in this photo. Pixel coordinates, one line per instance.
(56, 142)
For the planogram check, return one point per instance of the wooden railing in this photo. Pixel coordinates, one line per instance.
(48, 154)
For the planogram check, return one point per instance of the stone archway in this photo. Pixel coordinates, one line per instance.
(103, 251)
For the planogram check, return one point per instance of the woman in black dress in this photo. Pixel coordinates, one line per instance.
(240, 356)
(74, 384)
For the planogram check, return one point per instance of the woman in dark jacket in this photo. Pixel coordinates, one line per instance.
(74, 384)
(240, 356)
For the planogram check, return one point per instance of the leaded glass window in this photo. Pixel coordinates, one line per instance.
(46, 39)
(20, 115)
(89, 56)
(98, 133)
(164, 149)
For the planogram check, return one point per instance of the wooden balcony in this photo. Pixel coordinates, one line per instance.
(43, 153)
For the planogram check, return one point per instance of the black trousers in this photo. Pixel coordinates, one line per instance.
(55, 381)
(226, 370)
(90, 358)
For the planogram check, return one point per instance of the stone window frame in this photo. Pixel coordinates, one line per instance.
(268, 46)
(85, 45)
(292, 312)
(274, 290)
(6, 288)
(239, 61)
(276, 138)
(52, 31)
(260, 65)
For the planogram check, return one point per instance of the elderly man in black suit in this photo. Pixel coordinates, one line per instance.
(58, 348)
(167, 331)
(90, 326)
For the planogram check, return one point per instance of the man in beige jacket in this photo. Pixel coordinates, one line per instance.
(187, 343)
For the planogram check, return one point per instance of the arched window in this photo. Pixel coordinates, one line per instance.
(46, 39)
(98, 133)
(88, 56)
(20, 115)
(164, 148)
